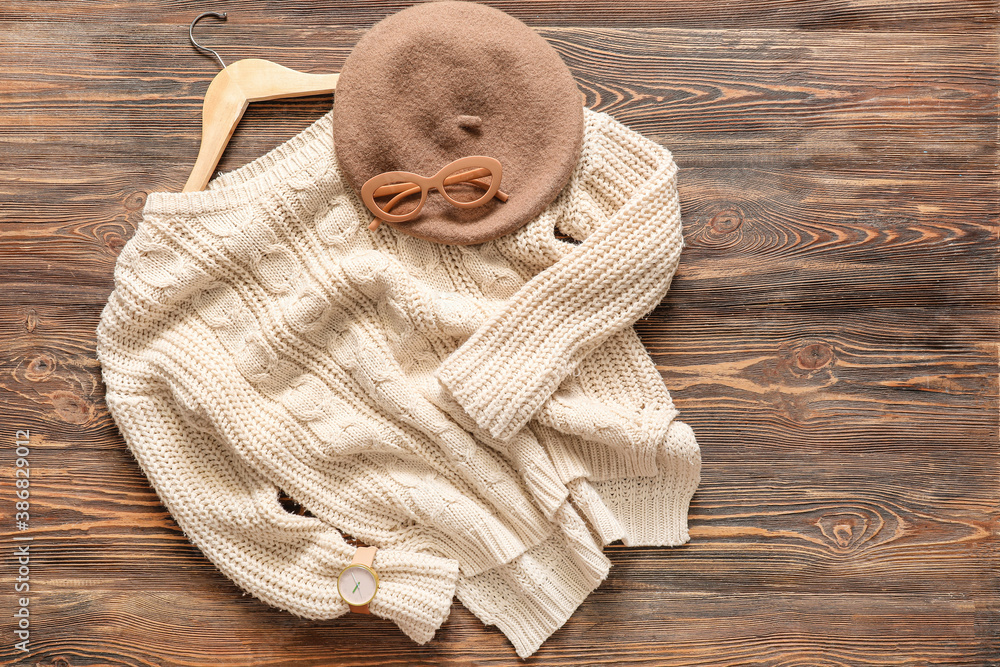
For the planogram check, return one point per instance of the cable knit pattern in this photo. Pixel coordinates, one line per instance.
(485, 414)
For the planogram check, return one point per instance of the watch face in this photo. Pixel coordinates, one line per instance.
(357, 585)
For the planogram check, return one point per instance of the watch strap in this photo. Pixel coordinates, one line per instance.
(363, 556)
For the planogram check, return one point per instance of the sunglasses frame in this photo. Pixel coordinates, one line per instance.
(435, 182)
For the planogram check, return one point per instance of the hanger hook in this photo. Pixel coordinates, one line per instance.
(199, 46)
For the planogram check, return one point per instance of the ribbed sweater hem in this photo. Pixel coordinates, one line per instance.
(533, 596)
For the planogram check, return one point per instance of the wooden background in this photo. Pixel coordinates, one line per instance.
(831, 335)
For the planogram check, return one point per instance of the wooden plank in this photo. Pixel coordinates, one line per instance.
(804, 372)
(729, 283)
(852, 534)
(881, 96)
(958, 16)
(725, 628)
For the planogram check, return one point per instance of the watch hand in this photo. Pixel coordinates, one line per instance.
(356, 582)
(356, 588)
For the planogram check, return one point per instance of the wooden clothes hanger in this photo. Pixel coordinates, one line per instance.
(232, 90)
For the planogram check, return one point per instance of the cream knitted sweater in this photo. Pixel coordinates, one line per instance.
(485, 415)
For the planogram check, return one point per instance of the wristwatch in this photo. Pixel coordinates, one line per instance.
(358, 582)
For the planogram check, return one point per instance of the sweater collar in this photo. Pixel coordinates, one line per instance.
(298, 165)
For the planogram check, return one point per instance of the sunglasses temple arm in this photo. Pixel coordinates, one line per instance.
(501, 195)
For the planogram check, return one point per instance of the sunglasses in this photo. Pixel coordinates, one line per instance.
(461, 182)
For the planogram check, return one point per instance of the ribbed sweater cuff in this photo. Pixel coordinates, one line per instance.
(415, 591)
(648, 511)
(533, 596)
(641, 510)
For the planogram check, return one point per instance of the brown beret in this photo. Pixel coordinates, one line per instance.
(444, 80)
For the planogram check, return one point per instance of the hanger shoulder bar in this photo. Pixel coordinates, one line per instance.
(264, 80)
(227, 98)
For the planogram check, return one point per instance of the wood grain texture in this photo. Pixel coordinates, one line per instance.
(831, 334)
(907, 15)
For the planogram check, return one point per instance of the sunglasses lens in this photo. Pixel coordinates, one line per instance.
(397, 198)
(467, 184)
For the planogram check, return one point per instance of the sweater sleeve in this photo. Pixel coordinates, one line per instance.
(234, 517)
(623, 268)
